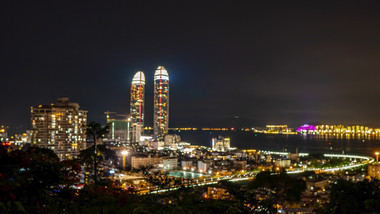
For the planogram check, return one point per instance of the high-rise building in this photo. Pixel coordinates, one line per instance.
(60, 126)
(221, 144)
(119, 126)
(137, 106)
(161, 104)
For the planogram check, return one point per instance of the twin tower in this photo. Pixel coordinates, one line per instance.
(160, 108)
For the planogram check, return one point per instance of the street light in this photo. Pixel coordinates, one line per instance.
(377, 157)
(124, 154)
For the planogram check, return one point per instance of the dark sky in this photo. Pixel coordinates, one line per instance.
(271, 61)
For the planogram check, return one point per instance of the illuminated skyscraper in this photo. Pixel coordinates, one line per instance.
(161, 104)
(137, 106)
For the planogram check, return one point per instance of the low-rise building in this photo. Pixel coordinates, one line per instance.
(250, 154)
(217, 193)
(294, 157)
(187, 164)
(374, 171)
(203, 165)
(276, 129)
(169, 164)
(316, 187)
(138, 161)
(164, 163)
(283, 163)
(240, 164)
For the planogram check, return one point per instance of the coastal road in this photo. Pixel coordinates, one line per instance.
(356, 161)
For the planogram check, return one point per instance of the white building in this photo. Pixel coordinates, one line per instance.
(186, 164)
(169, 164)
(283, 163)
(203, 166)
(137, 162)
(221, 144)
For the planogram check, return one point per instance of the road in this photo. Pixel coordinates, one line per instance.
(250, 175)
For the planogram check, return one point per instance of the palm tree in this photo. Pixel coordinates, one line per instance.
(95, 131)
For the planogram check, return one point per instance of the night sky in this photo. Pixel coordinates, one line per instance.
(266, 61)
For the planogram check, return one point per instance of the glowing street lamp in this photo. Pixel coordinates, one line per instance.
(124, 154)
(377, 157)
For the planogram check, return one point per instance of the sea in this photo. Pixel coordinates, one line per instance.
(308, 143)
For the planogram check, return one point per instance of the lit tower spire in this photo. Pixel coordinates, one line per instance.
(161, 103)
(137, 106)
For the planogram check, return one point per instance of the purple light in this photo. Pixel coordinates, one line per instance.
(306, 128)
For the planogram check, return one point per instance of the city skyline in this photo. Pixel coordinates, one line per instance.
(267, 63)
(190, 107)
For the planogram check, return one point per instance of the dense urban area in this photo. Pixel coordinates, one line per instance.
(65, 164)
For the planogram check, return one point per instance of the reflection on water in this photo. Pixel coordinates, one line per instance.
(346, 136)
(360, 144)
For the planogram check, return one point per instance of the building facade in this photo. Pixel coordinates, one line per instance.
(187, 164)
(276, 128)
(283, 163)
(60, 126)
(221, 144)
(203, 166)
(161, 104)
(119, 126)
(137, 106)
(169, 164)
(171, 141)
(161, 163)
(374, 171)
(139, 161)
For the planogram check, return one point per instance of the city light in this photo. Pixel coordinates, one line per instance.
(161, 104)
(137, 106)
(273, 108)
(124, 154)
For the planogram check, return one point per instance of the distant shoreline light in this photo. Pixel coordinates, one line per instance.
(306, 128)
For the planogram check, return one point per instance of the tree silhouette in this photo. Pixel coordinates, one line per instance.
(31, 179)
(349, 197)
(95, 131)
(103, 157)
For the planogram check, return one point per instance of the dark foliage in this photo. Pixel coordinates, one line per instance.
(348, 197)
(96, 131)
(30, 180)
(280, 187)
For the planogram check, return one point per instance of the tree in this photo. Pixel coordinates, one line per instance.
(157, 177)
(95, 131)
(278, 188)
(103, 157)
(30, 180)
(349, 197)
